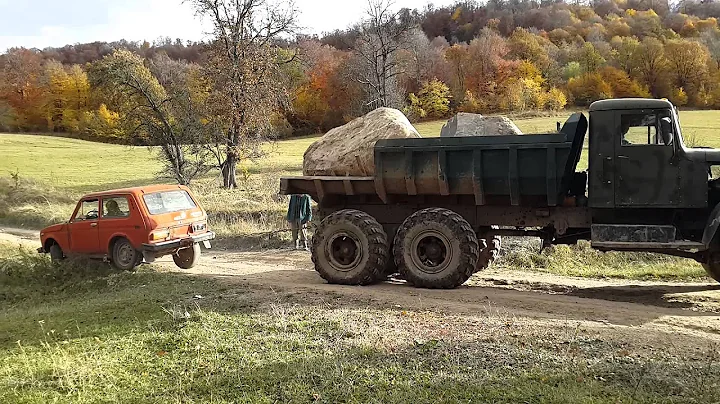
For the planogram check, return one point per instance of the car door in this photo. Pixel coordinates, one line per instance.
(83, 227)
(646, 174)
(120, 216)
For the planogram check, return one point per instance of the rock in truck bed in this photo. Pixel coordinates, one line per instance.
(348, 149)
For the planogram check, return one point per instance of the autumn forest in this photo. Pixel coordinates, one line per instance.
(500, 56)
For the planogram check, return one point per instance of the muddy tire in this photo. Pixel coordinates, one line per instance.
(124, 256)
(187, 257)
(489, 253)
(712, 265)
(436, 248)
(56, 254)
(350, 248)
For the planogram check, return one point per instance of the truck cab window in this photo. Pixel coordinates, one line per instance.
(645, 129)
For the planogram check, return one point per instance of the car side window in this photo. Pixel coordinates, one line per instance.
(88, 210)
(116, 207)
(645, 129)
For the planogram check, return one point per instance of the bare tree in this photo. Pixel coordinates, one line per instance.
(244, 69)
(382, 35)
(159, 114)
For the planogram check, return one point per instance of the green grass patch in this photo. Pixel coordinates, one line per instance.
(146, 336)
(582, 261)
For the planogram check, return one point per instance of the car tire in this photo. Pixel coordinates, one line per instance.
(56, 253)
(124, 256)
(187, 257)
(436, 248)
(350, 248)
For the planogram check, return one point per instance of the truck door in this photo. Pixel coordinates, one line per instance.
(645, 171)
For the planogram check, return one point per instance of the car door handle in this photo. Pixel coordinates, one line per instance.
(623, 157)
(93, 224)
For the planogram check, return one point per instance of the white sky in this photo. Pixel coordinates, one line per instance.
(43, 23)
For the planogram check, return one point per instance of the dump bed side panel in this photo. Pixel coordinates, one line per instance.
(532, 170)
(508, 170)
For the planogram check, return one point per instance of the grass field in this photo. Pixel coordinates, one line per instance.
(80, 333)
(41, 178)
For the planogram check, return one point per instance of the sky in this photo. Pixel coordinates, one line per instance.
(43, 23)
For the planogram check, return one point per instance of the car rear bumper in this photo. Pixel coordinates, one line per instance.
(181, 243)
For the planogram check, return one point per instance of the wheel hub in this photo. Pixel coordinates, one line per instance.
(125, 255)
(431, 252)
(344, 250)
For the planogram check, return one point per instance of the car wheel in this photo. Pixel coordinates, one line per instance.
(187, 257)
(56, 253)
(124, 255)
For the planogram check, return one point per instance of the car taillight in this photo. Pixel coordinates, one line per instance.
(198, 227)
(159, 235)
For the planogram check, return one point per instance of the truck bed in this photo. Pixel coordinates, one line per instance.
(495, 170)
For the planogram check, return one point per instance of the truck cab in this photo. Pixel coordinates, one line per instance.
(646, 189)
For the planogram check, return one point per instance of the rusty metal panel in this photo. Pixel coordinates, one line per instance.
(516, 169)
(645, 172)
(632, 233)
(601, 182)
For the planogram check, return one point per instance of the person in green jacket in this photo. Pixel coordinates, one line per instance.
(298, 215)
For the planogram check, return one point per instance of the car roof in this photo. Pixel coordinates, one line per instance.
(135, 190)
(629, 103)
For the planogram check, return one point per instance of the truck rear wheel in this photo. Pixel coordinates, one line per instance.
(436, 248)
(489, 254)
(712, 265)
(350, 248)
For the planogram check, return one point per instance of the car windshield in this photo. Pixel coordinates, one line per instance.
(168, 201)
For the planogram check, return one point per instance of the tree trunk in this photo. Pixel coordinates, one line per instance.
(229, 172)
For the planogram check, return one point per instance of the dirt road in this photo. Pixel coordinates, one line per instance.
(654, 309)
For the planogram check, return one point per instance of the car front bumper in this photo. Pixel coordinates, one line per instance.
(181, 243)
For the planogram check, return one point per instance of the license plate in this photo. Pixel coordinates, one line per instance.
(206, 243)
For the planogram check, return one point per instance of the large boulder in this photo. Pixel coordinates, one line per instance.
(348, 149)
(465, 124)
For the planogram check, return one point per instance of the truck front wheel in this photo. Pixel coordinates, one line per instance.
(350, 248)
(436, 248)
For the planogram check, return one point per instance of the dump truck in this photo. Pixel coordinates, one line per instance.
(435, 209)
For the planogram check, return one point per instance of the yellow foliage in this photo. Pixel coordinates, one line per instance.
(679, 97)
(555, 100)
(456, 14)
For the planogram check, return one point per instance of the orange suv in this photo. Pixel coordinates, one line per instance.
(132, 225)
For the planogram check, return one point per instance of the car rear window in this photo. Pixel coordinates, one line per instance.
(168, 201)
